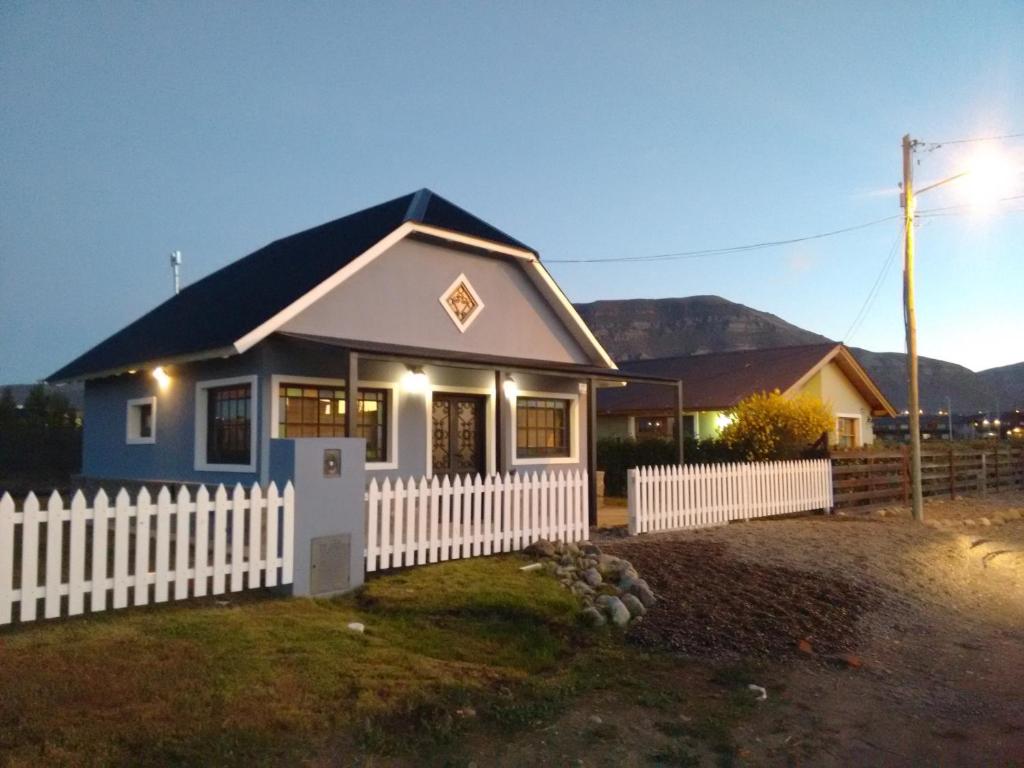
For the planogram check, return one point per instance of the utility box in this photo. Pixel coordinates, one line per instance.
(329, 475)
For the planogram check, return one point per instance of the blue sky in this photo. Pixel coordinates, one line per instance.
(590, 130)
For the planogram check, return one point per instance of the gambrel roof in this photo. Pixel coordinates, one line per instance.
(230, 310)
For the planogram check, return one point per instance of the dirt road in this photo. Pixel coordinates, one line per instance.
(930, 619)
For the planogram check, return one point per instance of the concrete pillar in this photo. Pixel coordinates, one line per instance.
(329, 475)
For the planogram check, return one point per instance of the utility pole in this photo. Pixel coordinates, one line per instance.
(910, 320)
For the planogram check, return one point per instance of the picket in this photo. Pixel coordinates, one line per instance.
(697, 496)
(470, 516)
(135, 542)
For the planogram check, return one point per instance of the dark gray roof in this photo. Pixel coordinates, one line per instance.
(216, 311)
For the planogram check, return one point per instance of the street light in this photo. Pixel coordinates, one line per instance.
(989, 180)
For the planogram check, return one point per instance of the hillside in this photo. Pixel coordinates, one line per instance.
(636, 329)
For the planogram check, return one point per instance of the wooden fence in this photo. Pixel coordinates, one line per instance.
(703, 495)
(429, 520)
(869, 479)
(91, 558)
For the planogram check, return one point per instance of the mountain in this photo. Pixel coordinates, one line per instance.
(637, 329)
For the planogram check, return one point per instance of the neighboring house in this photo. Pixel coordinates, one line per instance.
(438, 338)
(715, 383)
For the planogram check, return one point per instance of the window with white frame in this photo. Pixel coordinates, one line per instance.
(141, 421)
(543, 427)
(226, 424)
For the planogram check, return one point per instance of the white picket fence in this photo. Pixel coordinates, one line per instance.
(427, 521)
(703, 495)
(95, 556)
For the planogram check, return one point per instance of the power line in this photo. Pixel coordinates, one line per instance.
(869, 300)
(680, 255)
(733, 249)
(972, 140)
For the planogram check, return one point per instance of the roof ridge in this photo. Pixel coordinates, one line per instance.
(693, 355)
(418, 205)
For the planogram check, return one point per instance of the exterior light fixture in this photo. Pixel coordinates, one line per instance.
(415, 380)
(162, 379)
(510, 388)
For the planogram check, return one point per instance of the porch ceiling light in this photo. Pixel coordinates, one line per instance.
(415, 380)
(510, 388)
(162, 379)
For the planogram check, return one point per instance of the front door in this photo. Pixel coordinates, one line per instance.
(458, 442)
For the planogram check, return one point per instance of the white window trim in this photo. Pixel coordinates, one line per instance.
(276, 380)
(858, 437)
(462, 326)
(574, 430)
(132, 425)
(490, 443)
(201, 404)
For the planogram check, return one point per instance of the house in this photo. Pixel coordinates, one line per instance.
(715, 383)
(438, 338)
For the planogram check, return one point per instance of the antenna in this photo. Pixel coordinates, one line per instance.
(176, 270)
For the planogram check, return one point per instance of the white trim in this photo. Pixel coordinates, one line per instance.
(490, 443)
(859, 435)
(267, 327)
(539, 276)
(573, 315)
(132, 424)
(476, 242)
(393, 388)
(462, 325)
(574, 429)
(201, 465)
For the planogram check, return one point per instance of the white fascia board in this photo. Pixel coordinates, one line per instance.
(267, 327)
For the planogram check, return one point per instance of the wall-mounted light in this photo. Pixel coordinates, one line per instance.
(415, 380)
(510, 388)
(162, 379)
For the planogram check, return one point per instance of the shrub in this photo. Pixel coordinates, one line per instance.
(616, 455)
(769, 426)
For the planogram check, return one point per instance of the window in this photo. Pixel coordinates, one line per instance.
(141, 421)
(306, 410)
(542, 427)
(229, 424)
(653, 427)
(846, 432)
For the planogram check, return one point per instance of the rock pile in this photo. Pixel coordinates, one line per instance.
(609, 587)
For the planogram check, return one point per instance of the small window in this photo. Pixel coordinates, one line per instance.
(229, 424)
(653, 427)
(542, 427)
(846, 432)
(319, 411)
(141, 421)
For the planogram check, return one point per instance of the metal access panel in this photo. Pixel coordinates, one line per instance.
(330, 564)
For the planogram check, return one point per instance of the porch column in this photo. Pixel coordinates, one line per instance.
(500, 450)
(352, 394)
(592, 450)
(680, 436)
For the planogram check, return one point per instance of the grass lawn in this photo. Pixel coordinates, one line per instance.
(458, 662)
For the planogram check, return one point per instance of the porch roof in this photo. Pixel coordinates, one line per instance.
(426, 356)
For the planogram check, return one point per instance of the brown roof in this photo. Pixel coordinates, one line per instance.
(719, 381)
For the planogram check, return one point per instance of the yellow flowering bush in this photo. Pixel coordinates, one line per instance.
(769, 426)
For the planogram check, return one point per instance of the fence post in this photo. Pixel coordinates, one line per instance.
(983, 479)
(952, 476)
(995, 452)
(905, 472)
(631, 501)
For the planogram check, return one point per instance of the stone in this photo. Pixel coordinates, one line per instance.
(608, 564)
(984, 521)
(541, 548)
(804, 646)
(580, 589)
(563, 571)
(572, 549)
(633, 605)
(595, 719)
(592, 617)
(357, 626)
(602, 600)
(617, 612)
(589, 548)
(566, 560)
(592, 577)
(644, 593)
(968, 521)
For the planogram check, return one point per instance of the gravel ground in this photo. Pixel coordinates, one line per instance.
(934, 614)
